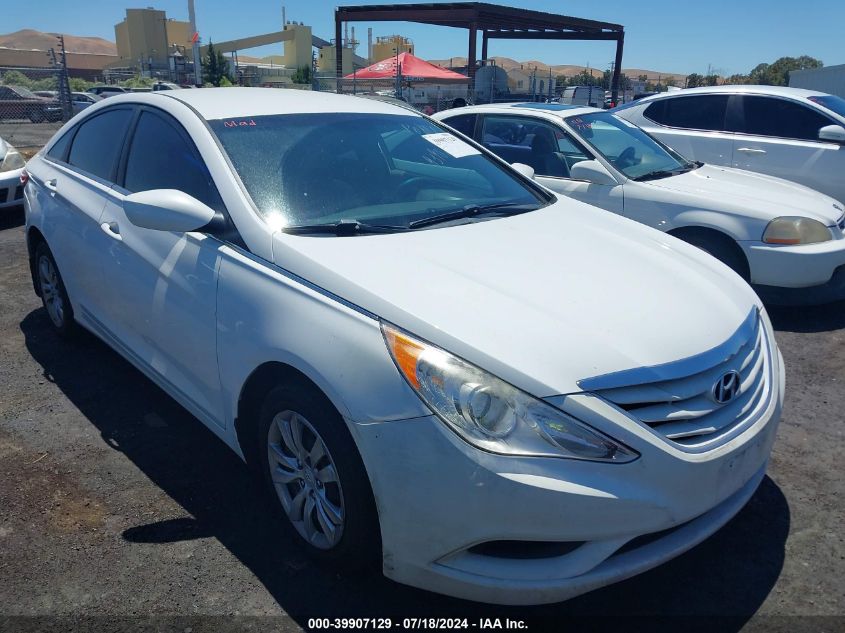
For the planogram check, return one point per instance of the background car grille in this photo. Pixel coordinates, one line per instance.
(683, 410)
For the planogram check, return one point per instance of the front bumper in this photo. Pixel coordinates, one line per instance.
(809, 273)
(438, 497)
(11, 190)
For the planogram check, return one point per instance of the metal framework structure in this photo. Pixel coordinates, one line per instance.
(494, 21)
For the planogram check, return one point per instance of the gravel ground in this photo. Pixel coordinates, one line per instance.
(116, 503)
(26, 136)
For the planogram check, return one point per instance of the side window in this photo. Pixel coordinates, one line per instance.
(463, 123)
(160, 157)
(533, 142)
(98, 142)
(60, 147)
(701, 112)
(766, 116)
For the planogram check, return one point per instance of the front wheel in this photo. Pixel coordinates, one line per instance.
(37, 116)
(312, 466)
(51, 287)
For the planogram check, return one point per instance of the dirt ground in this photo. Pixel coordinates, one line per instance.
(119, 510)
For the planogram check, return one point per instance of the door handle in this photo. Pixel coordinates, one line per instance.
(751, 150)
(112, 230)
(51, 185)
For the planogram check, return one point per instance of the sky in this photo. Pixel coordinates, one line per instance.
(725, 36)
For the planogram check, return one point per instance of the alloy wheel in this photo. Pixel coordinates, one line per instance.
(48, 279)
(306, 480)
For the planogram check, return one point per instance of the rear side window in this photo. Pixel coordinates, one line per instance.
(766, 116)
(60, 147)
(701, 112)
(463, 123)
(98, 142)
(162, 157)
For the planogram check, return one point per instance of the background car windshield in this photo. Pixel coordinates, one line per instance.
(624, 145)
(831, 102)
(373, 168)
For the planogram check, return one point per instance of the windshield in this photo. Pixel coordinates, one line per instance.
(24, 92)
(831, 102)
(625, 146)
(380, 169)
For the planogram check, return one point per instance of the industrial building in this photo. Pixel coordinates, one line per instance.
(830, 79)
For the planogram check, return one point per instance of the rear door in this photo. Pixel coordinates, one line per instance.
(780, 137)
(161, 286)
(693, 125)
(73, 182)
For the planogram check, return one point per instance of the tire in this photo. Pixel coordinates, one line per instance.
(722, 248)
(37, 116)
(54, 297)
(344, 503)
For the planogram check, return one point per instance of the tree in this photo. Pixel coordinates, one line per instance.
(585, 78)
(15, 78)
(302, 75)
(214, 66)
(695, 80)
(711, 80)
(777, 73)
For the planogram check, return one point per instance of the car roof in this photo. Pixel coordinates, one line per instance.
(224, 103)
(781, 91)
(557, 109)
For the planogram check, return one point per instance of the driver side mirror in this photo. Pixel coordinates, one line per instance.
(593, 172)
(167, 210)
(525, 170)
(834, 133)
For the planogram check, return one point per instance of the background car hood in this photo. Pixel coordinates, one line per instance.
(757, 195)
(542, 299)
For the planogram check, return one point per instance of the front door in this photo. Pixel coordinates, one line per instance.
(161, 286)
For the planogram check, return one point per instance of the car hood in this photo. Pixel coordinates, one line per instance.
(543, 299)
(752, 194)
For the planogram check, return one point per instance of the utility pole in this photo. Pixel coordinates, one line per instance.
(195, 40)
(62, 82)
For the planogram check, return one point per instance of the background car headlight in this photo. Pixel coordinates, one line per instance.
(12, 160)
(796, 230)
(491, 414)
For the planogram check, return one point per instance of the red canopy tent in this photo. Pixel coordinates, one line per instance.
(412, 69)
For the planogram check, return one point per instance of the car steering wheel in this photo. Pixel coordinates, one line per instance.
(626, 158)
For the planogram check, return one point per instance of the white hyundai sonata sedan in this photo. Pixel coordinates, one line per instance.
(434, 362)
(784, 238)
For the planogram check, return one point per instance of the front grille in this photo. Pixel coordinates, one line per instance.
(684, 410)
(4, 195)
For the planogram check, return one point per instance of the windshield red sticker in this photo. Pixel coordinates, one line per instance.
(240, 123)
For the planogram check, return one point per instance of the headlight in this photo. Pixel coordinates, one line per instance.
(796, 230)
(12, 160)
(491, 414)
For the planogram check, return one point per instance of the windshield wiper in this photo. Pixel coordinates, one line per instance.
(664, 173)
(343, 228)
(471, 210)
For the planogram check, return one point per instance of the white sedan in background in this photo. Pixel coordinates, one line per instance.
(785, 239)
(11, 167)
(436, 364)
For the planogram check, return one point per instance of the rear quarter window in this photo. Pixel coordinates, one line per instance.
(700, 112)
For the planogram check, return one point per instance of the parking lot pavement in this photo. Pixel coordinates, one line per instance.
(26, 136)
(116, 502)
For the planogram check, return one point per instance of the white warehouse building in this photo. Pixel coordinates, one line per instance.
(830, 79)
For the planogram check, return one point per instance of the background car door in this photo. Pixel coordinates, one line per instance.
(161, 286)
(551, 151)
(780, 137)
(692, 125)
(73, 184)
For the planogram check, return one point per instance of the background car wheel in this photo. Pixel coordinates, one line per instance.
(311, 465)
(53, 293)
(36, 116)
(719, 246)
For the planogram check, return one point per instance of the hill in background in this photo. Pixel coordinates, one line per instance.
(30, 39)
(567, 70)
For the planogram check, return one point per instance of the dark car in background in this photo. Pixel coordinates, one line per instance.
(16, 102)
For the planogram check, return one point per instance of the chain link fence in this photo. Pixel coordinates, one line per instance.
(33, 105)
